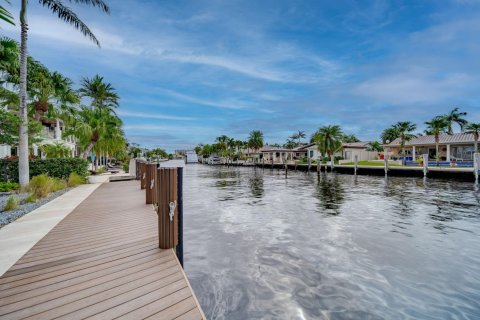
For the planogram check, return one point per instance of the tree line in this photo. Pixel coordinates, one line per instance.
(33, 93)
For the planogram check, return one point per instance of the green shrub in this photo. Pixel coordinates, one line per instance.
(12, 203)
(41, 185)
(57, 168)
(58, 184)
(31, 198)
(126, 167)
(8, 186)
(101, 170)
(75, 179)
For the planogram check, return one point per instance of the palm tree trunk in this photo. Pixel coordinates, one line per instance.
(88, 150)
(23, 166)
(436, 149)
(475, 143)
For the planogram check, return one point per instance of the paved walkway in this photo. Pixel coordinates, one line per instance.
(100, 262)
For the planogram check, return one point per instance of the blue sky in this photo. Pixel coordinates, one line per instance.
(188, 71)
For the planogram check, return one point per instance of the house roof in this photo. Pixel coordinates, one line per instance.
(430, 140)
(273, 149)
(359, 145)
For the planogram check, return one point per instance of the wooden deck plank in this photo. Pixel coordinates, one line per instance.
(101, 261)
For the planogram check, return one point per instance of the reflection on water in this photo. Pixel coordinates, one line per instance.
(260, 246)
(330, 194)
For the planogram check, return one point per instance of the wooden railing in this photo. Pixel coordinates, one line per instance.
(164, 190)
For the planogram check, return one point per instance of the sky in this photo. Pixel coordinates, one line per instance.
(189, 71)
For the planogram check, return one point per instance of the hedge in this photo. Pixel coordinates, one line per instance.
(56, 168)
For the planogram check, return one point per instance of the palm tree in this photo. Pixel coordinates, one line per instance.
(301, 135)
(92, 126)
(102, 94)
(404, 128)
(255, 140)
(389, 134)
(435, 127)
(56, 150)
(474, 128)
(67, 15)
(375, 146)
(348, 138)
(455, 117)
(328, 140)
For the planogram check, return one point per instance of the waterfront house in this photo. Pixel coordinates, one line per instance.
(359, 149)
(51, 133)
(282, 155)
(347, 152)
(455, 147)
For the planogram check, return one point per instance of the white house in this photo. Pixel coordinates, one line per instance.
(51, 133)
(347, 152)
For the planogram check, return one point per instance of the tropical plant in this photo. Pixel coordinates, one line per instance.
(404, 128)
(389, 134)
(435, 127)
(255, 140)
(474, 128)
(56, 150)
(101, 93)
(11, 204)
(328, 140)
(374, 146)
(349, 138)
(95, 126)
(5, 15)
(455, 116)
(64, 13)
(74, 179)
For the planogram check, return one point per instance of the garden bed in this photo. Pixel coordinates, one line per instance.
(23, 208)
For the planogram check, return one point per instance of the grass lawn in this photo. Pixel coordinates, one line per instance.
(371, 163)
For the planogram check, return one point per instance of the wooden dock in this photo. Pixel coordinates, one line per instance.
(101, 262)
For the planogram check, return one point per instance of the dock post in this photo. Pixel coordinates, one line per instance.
(179, 248)
(167, 209)
(150, 181)
(356, 164)
(318, 167)
(476, 165)
(425, 164)
(385, 164)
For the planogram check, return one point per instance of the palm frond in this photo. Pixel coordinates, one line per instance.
(70, 17)
(6, 16)
(94, 3)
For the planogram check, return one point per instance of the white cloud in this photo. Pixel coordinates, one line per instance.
(153, 116)
(227, 104)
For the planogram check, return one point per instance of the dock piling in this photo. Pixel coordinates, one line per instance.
(425, 164)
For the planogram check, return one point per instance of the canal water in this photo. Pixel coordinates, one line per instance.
(262, 246)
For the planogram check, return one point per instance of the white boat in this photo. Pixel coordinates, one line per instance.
(191, 157)
(215, 160)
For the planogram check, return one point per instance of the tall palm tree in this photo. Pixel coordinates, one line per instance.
(255, 140)
(222, 144)
(404, 128)
(455, 117)
(101, 93)
(328, 140)
(474, 128)
(92, 126)
(301, 135)
(66, 14)
(389, 134)
(436, 127)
